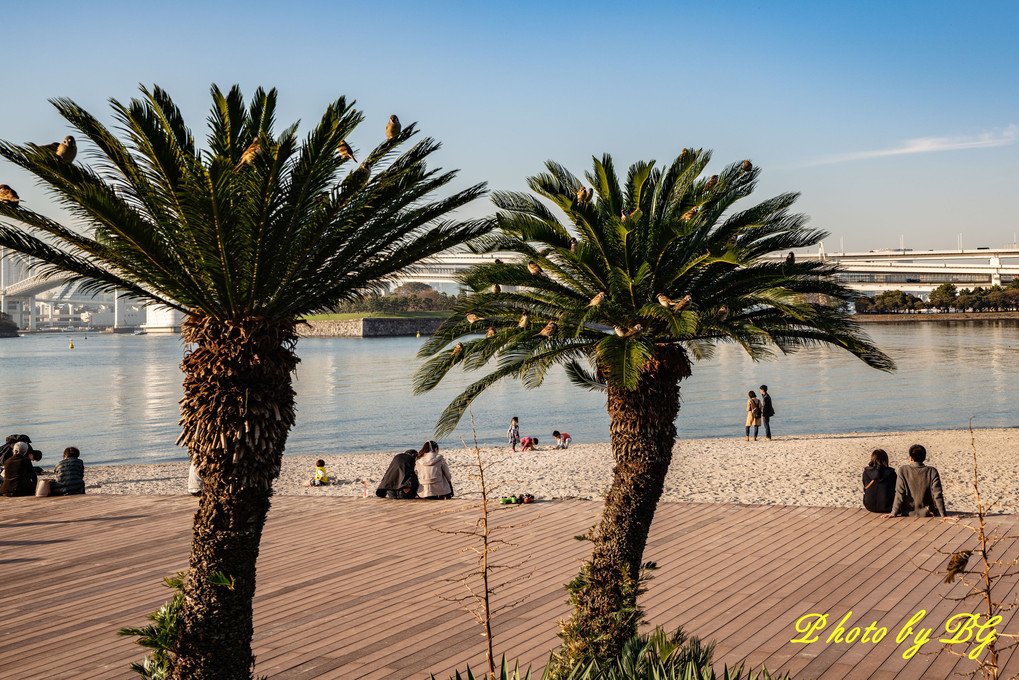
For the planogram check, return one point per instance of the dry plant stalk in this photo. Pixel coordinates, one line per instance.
(480, 584)
(989, 575)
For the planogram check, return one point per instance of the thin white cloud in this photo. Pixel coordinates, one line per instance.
(929, 145)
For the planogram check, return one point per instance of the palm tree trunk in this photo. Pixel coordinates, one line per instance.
(237, 410)
(643, 432)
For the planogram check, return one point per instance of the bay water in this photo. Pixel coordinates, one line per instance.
(116, 396)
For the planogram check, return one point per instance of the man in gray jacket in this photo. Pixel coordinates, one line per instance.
(918, 488)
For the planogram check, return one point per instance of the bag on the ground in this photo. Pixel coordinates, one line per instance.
(42, 487)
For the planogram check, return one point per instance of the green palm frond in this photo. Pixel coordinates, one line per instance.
(290, 231)
(672, 232)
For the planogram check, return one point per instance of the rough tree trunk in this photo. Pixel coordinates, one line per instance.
(643, 432)
(237, 410)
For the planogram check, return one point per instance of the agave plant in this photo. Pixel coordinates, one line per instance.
(626, 285)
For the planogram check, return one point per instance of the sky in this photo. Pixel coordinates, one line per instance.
(892, 120)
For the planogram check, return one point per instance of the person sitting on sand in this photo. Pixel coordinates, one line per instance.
(562, 440)
(918, 488)
(320, 478)
(528, 443)
(878, 483)
(19, 474)
(70, 474)
(400, 481)
(434, 479)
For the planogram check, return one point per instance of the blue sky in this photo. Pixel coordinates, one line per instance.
(892, 119)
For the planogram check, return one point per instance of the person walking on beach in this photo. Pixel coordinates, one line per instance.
(753, 414)
(70, 474)
(513, 433)
(19, 473)
(767, 411)
(918, 488)
(878, 483)
(434, 479)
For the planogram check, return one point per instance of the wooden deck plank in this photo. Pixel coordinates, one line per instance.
(352, 588)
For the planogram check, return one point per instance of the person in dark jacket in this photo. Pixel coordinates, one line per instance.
(19, 473)
(400, 481)
(918, 490)
(767, 411)
(70, 474)
(878, 483)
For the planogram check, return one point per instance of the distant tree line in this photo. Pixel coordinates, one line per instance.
(410, 297)
(944, 298)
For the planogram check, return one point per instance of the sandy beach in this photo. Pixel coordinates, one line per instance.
(815, 470)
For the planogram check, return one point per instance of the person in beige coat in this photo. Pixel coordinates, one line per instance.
(753, 414)
(434, 479)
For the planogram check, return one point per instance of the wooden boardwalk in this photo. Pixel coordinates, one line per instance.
(352, 588)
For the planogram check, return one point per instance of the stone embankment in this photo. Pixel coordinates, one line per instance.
(368, 328)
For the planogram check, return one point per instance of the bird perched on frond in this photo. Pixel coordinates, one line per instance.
(393, 127)
(957, 564)
(722, 314)
(490, 333)
(533, 267)
(544, 251)
(549, 330)
(65, 150)
(524, 320)
(597, 299)
(496, 288)
(747, 166)
(631, 332)
(573, 244)
(790, 259)
(664, 300)
(249, 154)
(498, 261)
(362, 172)
(684, 303)
(9, 195)
(619, 330)
(473, 318)
(683, 154)
(689, 213)
(456, 350)
(584, 196)
(712, 181)
(345, 150)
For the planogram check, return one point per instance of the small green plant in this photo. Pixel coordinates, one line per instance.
(505, 673)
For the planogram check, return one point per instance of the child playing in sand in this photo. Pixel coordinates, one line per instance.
(321, 478)
(528, 443)
(562, 440)
(513, 433)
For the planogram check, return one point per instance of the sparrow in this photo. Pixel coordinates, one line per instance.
(65, 150)
(581, 196)
(747, 166)
(682, 304)
(722, 314)
(473, 318)
(498, 261)
(683, 154)
(9, 195)
(711, 183)
(689, 213)
(393, 127)
(457, 349)
(632, 332)
(362, 172)
(957, 564)
(597, 299)
(544, 251)
(524, 320)
(589, 195)
(549, 329)
(490, 333)
(664, 300)
(248, 157)
(345, 150)
(573, 244)
(790, 259)
(496, 288)
(533, 267)
(623, 216)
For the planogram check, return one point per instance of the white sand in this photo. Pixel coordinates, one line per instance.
(816, 470)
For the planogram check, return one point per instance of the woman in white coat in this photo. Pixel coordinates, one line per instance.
(433, 473)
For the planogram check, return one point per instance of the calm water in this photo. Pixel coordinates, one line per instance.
(115, 396)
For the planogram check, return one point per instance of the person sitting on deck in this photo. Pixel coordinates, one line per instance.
(400, 481)
(878, 483)
(918, 489)
(19, 474)
(70, 474)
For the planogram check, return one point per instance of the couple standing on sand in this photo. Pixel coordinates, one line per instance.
(758, 411)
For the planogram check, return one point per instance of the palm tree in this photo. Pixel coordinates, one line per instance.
(245, 237)
(646, 278)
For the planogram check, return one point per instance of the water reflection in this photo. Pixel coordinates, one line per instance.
(116, 396)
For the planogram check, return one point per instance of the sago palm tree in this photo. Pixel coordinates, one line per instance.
(245, 236)
(643, 278)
